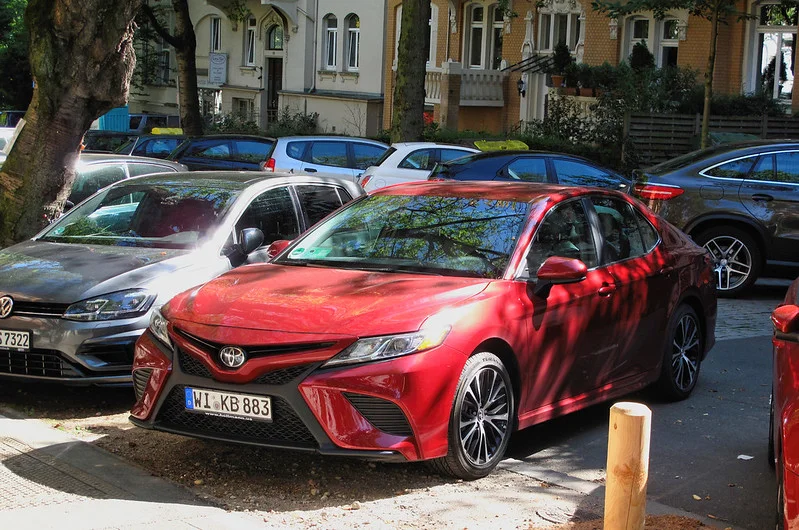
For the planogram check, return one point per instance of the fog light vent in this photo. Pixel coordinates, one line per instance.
(384, 415)
(140, 380)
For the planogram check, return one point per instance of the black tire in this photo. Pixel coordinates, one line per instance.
(477, 443)
(780, 511)
(733, 251)
(771, 460)
(682, 354)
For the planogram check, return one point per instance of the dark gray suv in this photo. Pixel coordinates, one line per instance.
(739, 201)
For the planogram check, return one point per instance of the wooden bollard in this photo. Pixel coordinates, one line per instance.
(628, 466)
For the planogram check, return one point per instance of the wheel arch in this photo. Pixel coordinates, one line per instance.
(503, 350)
(698, 226)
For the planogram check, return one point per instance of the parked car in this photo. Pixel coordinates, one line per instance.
(224, 152)
(154, 146)
(739, 201)
(74, 299)
(405, 162)
(530, 166)
(783, 420)
(10, 118)
(427, 321)
(339, 156)
(97, 141)
(95, 171)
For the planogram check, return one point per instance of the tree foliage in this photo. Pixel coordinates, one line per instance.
(16, 84)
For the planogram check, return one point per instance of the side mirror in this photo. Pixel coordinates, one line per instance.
(277, 247)
(557, 270)
(68, 205)
(786, 319)
(249, 240)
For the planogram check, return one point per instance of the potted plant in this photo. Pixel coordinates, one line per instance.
(604, 78)
(561, 59)
(572, 78)
(585, 76)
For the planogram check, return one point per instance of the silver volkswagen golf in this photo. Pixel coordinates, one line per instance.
(74, 298)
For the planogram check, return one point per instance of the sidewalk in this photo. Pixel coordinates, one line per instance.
(50, 480)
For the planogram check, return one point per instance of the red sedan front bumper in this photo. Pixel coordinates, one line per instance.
(389, 409)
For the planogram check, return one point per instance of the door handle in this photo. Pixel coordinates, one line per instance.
(606, 290)
(665, 271)
(310, 170)
(762, 197)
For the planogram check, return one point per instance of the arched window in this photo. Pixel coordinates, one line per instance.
(353, 42)
(560, 23)
(668, 46)
(274, 38)
(330, 42)
(249, 41)
(485, 26)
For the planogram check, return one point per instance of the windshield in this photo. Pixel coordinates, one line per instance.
(425, 234)
(390, 151)
(176, 215)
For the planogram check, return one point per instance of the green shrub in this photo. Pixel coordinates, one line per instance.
(641, 58)
(288, 123)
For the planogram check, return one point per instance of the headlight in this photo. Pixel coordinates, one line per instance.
(390, 346)
(122, 304)
(158, 327)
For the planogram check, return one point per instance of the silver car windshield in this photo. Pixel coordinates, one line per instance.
(176, 215)
(454, 236)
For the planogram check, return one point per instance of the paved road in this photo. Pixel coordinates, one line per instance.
(695, 443)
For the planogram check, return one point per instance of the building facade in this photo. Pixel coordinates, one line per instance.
(310, 56)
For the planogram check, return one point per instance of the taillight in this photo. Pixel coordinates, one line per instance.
(659, 192)
(268, 165)
(365, 180)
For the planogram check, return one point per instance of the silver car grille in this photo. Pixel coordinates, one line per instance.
(38, 309)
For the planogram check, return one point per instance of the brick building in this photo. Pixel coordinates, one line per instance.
(478, 56)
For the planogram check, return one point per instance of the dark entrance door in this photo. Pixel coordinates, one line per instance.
(274, 83)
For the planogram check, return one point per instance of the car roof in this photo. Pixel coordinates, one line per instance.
(331, 137)
(720, 152)
(88, 158)
(431, 144)
(483, 155)
(229, 137)
(237, 179)
(507, 191)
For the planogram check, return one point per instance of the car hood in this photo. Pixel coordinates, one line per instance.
(67, 273)
(315, 300)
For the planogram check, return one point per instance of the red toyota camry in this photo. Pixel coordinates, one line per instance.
(784, 440)
(428, 321)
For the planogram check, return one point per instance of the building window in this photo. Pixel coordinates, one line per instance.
(331, 41)
(216, 34)
(558, 28)
(497, 30)
(476, 37)
(669, 42)
(163, 67)
(484, 31)
(274, 38)
(249, 42)
(353, 42)
(244, 108)
(774, 49)
(433, 36)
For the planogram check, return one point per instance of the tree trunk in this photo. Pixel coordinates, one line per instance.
(407, 122)
(711, 65)
(190, 118)
(82, 59)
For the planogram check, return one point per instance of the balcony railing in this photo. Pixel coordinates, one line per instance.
(479, 88)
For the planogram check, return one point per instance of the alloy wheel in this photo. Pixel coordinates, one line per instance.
(685, 352)
(484, 416)
(732, 261)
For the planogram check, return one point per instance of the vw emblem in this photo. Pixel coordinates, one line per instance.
(232, 357)
(6, 305)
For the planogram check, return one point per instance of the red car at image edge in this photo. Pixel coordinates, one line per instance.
(429, 321)
(784, 418)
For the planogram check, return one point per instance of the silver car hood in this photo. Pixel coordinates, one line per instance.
(66, 273)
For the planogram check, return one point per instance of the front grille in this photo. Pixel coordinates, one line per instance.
(254, 351)
(283, 376)
(384, 415)
(39, 309)
(286, 428)
(111, 354)
(140, 379)
(40, 363)
(192, 366)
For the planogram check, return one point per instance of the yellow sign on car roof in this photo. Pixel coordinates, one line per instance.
(500, 145)
(166, 130)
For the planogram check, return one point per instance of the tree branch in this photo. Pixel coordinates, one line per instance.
(161, 30)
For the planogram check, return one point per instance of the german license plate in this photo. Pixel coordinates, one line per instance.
(15, 340)
(229, 405)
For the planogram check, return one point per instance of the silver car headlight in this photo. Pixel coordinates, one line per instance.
(158, 327)
(121, 304)
(390, 346)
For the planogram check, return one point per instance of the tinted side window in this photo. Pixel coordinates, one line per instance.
(648, 232)
(421, 159)
(295, 150)
(565, 232)
(344, 195)
(621, 231)
(273, 213)
(317, 202)
(787, 167)
(365, 155)
(92, 178)
(252, 151)
(158, 147)
(329, 154)
(209, 149)
(146, 169)
(572, 173)
(736, 169)
(528, 170)
(452, 154)
(764, 169)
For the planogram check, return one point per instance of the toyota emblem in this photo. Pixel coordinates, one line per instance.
(6, 305)
(232, 357)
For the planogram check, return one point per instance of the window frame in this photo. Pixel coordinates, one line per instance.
(250, 25)
(216, 34)
(330, 57)
(353, 38)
